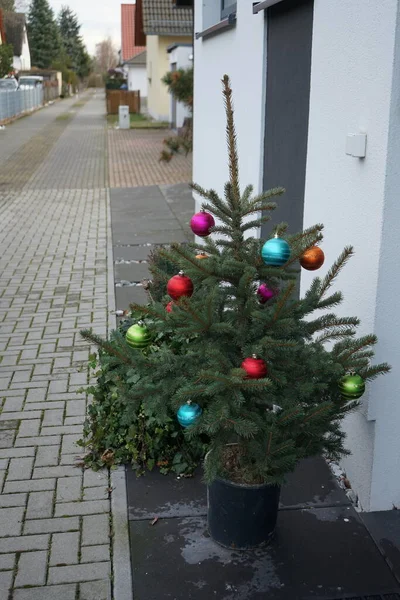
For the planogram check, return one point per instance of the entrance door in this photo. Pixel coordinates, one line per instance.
(289, 40)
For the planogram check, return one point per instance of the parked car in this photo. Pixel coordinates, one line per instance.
(28, 82)
(8, 85)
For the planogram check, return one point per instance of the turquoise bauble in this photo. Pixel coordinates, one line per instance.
(138, 336)
(188, 414)
(275, 252)
(351, 386)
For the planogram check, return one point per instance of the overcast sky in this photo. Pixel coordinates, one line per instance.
(99, 19)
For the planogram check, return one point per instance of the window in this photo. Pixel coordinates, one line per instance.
(228, 7)
(218, 16)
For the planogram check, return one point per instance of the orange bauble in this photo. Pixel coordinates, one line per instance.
(312, 259)
(201, 255)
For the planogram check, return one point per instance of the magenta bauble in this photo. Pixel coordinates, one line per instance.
(265, 293)
(201, 223)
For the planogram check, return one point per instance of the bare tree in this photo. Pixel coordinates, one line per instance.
(22, 6)
(106, 56)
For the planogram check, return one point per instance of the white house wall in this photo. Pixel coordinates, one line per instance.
(355, 87)
(182, 57)
(239, 53)
(137, 80)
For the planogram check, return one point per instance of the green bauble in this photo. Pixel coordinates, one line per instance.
(352, 386)
(138, 336)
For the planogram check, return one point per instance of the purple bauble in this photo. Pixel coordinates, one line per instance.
(201, 223)
(265, 293)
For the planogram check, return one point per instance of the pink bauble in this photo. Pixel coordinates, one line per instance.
(201, 223)
(265, 293)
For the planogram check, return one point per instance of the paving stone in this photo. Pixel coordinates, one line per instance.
(24, 543)
(53, 592)
(74, 420)
(70, 429)
(31, 569)
(95, 493)
(20, 468)
(64, 548)
(47, 456)
(21, 415)
(95, 590)
(47, 472)
(13, 404)
(95, 478)
(6, 578)
(71, 459)
(96, 530)
(76, 407)
(67, 509)
(40, 505)
(7, 561)
(11, 520)
(69, 489)
(29, 428)
(51, 525)
(53, 417)
(69, 444)
(49, 440)
(95, 553)
(86, 572)
(36, 485)
(8, 500)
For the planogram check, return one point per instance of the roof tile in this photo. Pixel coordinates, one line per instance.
(160, 17)
(129, 50)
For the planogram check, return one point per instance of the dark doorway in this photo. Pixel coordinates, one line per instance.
(289, 41)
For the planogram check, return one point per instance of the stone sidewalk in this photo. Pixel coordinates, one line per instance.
(64, 530)
(56, 522)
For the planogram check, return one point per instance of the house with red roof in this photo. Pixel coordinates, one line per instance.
(133, 57)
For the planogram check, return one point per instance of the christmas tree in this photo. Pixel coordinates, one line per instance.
(266, 377)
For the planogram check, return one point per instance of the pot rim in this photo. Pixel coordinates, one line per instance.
(250, 486)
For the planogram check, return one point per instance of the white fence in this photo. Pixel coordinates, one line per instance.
(13, 104)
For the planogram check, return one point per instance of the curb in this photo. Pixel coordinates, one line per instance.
(121, 564)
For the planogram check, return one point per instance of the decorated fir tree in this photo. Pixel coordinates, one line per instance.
(266, 377)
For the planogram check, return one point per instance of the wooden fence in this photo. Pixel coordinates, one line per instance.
(117, 98)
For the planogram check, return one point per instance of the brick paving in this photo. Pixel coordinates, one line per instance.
(55, 524)
(133, 159)
(63, 530)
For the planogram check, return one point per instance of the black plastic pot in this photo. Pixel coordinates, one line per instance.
(242, 516)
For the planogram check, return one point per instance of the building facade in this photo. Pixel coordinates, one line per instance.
(308, 76)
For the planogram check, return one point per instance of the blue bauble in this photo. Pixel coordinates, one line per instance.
(275, 252)
(188, 414)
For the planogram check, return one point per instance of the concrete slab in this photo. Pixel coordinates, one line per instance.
(320, 553)
(155, 495)
(385, 529)
(148, 237)
(127, 295)
(132, 272)
(139, 252)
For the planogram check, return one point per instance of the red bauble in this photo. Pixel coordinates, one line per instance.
(169, 306)
(312, 259)
(180, 285)
(256, 368)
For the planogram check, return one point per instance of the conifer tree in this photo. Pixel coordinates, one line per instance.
(43, 34)
(72, 42)
(258, 427)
